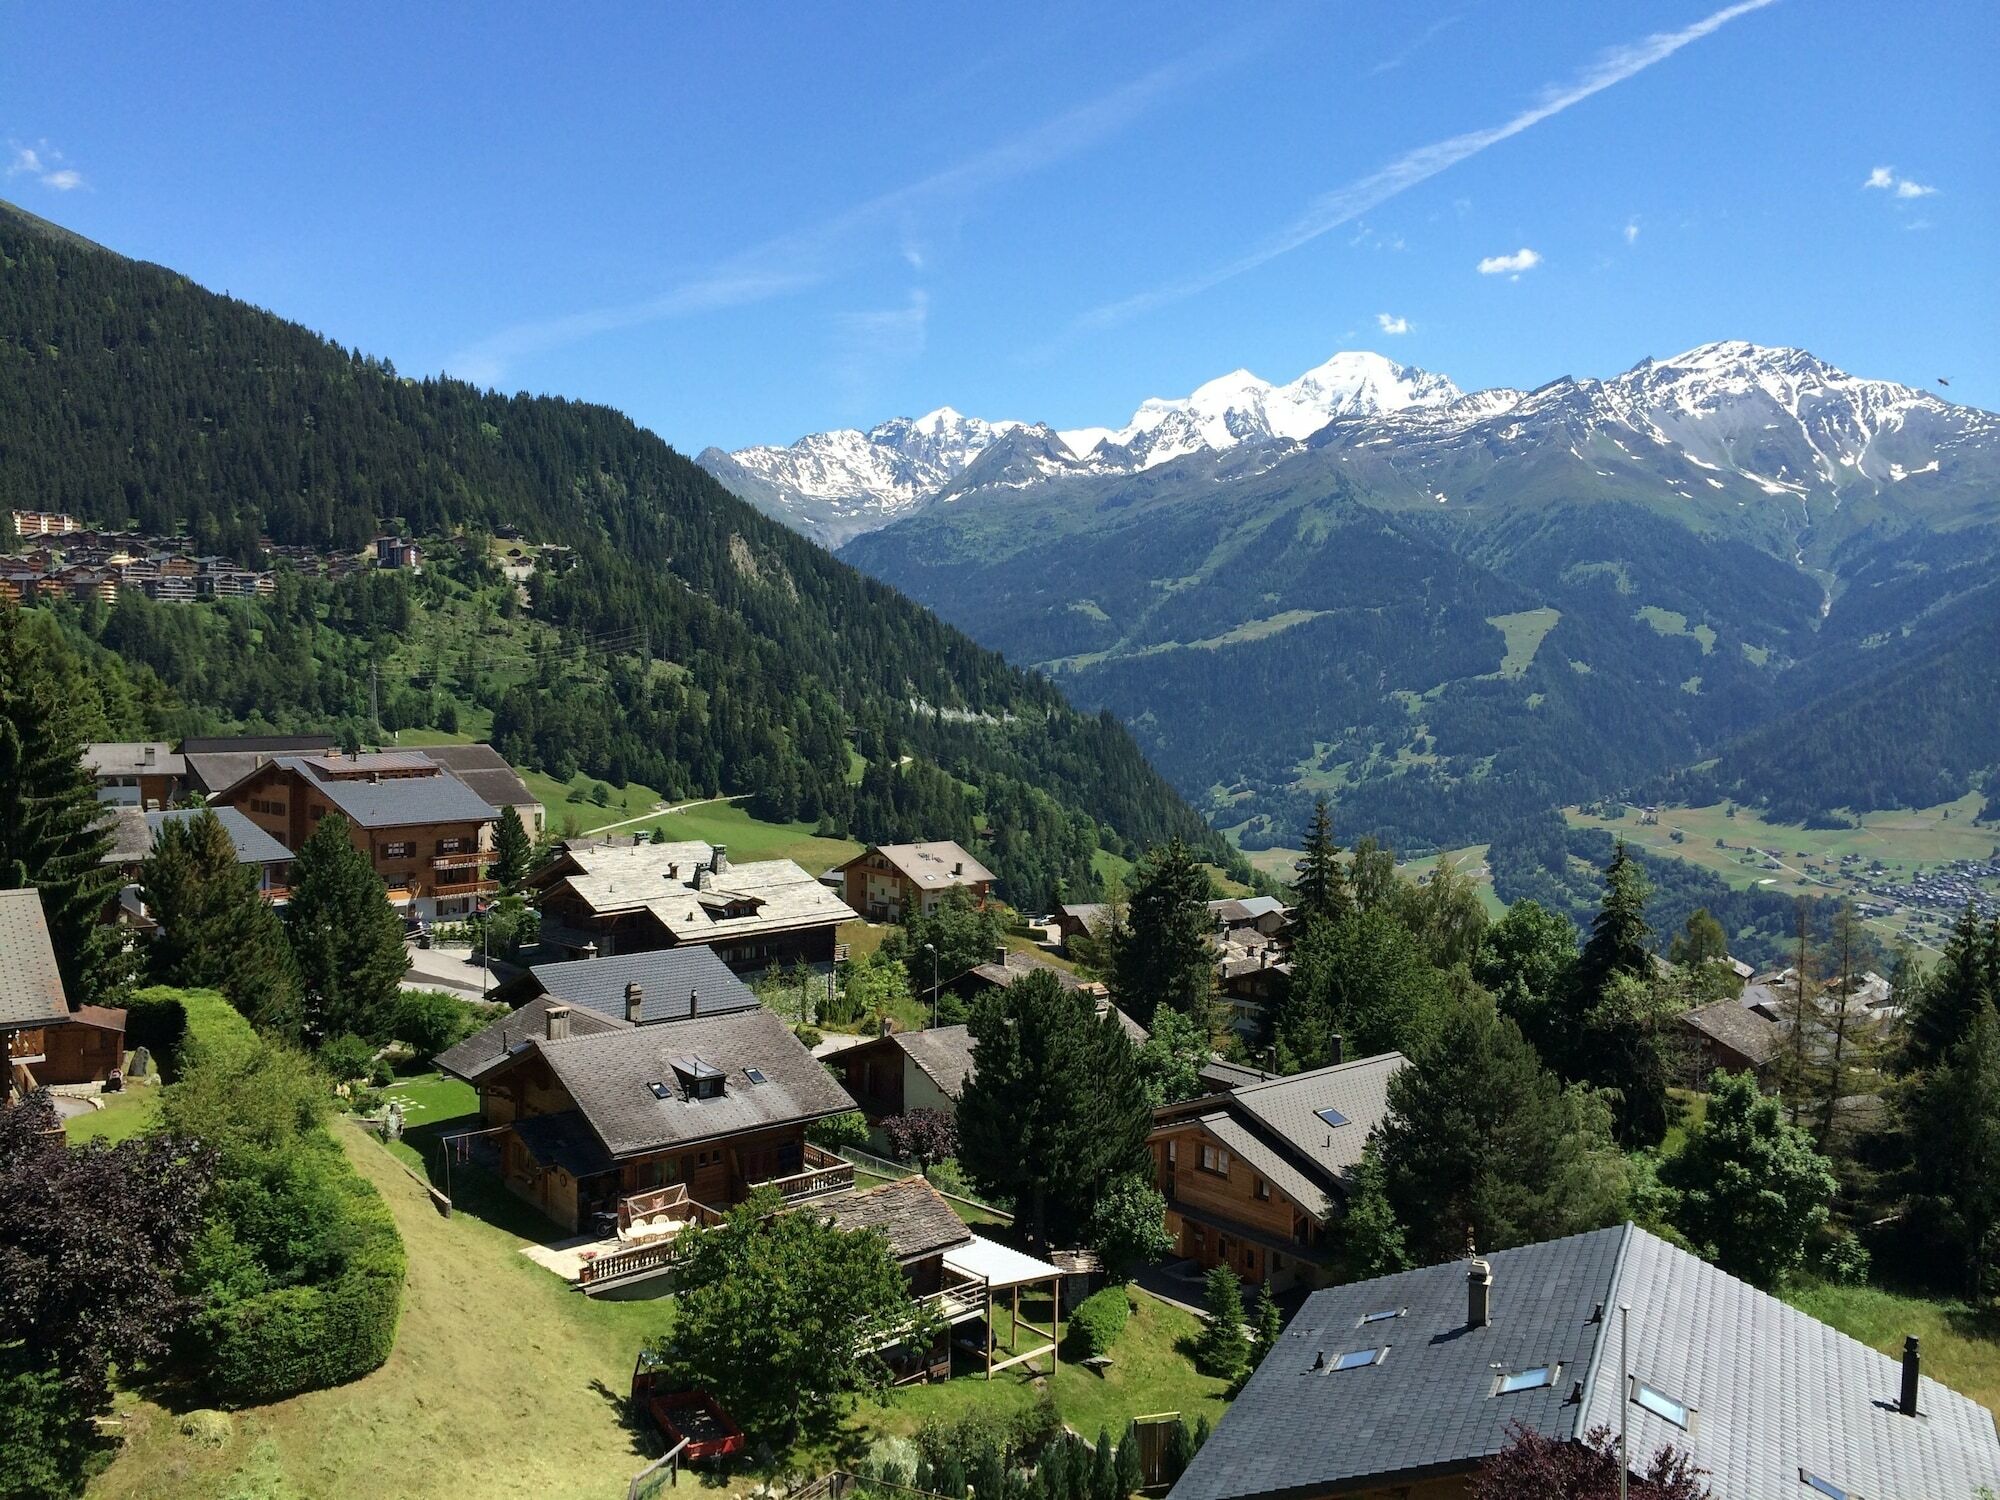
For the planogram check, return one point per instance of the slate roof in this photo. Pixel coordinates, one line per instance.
(31, 987)
(1773, 1389)
(1245, 909)
(394, 801)
(609, 1076)
(911, 1213)
(485, 1050)
(1221, 1076)
(133, 831)
(485, 770)
(128, 758)
(1743, 1030)
(1019, 965)
(943, 1054)
(669, 977)
(219, 762)
(929, 865)
(659, 878)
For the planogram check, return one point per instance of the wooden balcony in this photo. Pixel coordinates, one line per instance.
(28, 1047)
(650, 1226)
(464, 860)
(466, 888)
(824, 1174)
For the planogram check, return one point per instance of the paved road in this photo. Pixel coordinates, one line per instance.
(455, 968)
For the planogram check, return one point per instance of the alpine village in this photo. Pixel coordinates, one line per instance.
(1347, 938)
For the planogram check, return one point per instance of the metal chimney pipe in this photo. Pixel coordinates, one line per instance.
(1336, 1048)
(1912, 1363)
(1478, 1294)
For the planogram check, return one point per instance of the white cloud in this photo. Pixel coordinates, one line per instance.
(1351, 200)
(1631, 231)
(1886, 179)
(43, 163)
(1513, 265)
(1389, 324)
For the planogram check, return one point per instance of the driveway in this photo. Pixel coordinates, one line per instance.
(454, 967)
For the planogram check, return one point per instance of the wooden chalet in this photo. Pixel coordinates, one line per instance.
(603, 898)
(894, 882)
(426, 833)
(47, 1043)
(1254, 1176)
(150, 774)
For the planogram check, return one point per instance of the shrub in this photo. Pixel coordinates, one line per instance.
(429, 1021)
(345, 1057)
(835, 1131)
(1096, 1322)
(309, 1336)
(157, 1020)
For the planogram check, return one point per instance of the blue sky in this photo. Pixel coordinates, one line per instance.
(742, 225)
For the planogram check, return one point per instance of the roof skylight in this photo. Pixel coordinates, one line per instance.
(1357, 1359)
(1533, 1378)
(1825, 1487)
(1331, 1115)
(1383, 1316)
(660, 1091)
(755, 1075)
(1660, 1404)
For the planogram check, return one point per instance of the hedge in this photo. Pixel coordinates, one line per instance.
(305, 1338)
(1096, 1322)
(172, 1024)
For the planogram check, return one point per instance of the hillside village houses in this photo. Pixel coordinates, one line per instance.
(893, 882)
(603, 897)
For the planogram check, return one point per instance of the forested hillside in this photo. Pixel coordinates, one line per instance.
(134, 397)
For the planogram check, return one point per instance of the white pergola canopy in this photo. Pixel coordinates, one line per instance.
(997, 1265)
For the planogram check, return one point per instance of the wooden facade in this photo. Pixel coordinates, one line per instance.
(875, 884)
(432, 869)
(1222, 1211)
(89, 1049)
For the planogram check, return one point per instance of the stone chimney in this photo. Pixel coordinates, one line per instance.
(555, 1021)
(635, 999)
(1912, 1362)
(1336, 1048)
(718, 860)
(1000, 954)
(701, 877)
(1479, 1294)
(151, 755)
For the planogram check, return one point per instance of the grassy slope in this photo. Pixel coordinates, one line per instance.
(1961, 1343)
(124, 1115)
(502, 1382)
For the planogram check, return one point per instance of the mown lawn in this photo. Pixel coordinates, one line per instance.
(503, 1382)
(125, 1114)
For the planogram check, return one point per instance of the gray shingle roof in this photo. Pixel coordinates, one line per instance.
(485, 770)
(134, 830)
(1288, 1108)
(943, 1054)
(31, 987)
(128, 758)
(1774, 1389)
(911, 1213)
(1747, 1031)
(931, 866)
(668, 977)
(485, 1050)
(396, 801)
(609, 1076)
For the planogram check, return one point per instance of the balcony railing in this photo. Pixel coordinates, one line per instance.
(466, 888)
(469, 860)
(25, 1046)
(824, 1173)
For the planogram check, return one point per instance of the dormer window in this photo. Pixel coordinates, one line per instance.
(698, 1080)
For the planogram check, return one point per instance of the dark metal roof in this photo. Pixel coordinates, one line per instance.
(485, 770)
(671, 980)
(1773, 1389)
(394, 801)
(31, 987)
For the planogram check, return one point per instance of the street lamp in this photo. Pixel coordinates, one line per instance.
(931, 948)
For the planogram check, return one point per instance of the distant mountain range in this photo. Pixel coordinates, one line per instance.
(1451, 610)
(837, 485)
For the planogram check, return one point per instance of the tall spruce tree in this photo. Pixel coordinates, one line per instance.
(1951, 1121)
(1614, 1038)
(1055, 1109)
(216, 930)
(53, 833)
(1165, 955)
(512, 849)
(1620, 942)
(1961, 987)
(1322, 879)
(1481, 1138)
(346, 939)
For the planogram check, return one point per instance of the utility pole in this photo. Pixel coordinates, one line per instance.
(931, 948)
(374, 709)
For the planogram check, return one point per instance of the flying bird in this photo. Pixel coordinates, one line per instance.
(1943, 381)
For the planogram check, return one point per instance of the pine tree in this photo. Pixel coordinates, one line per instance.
(346, 938)
(1055, 1108)
(1103, 1468)
(52, 831)
(1480, 1138)
(1951, 1120)
(511, 849)
(1131, 1471)
(1223, 1349)
(1614, 1037)
(1180, 1451)
(1322, 880)
(1165, 955)
(1270, 1321)
(1955, 992)
(1620, 941)
(216, 930)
